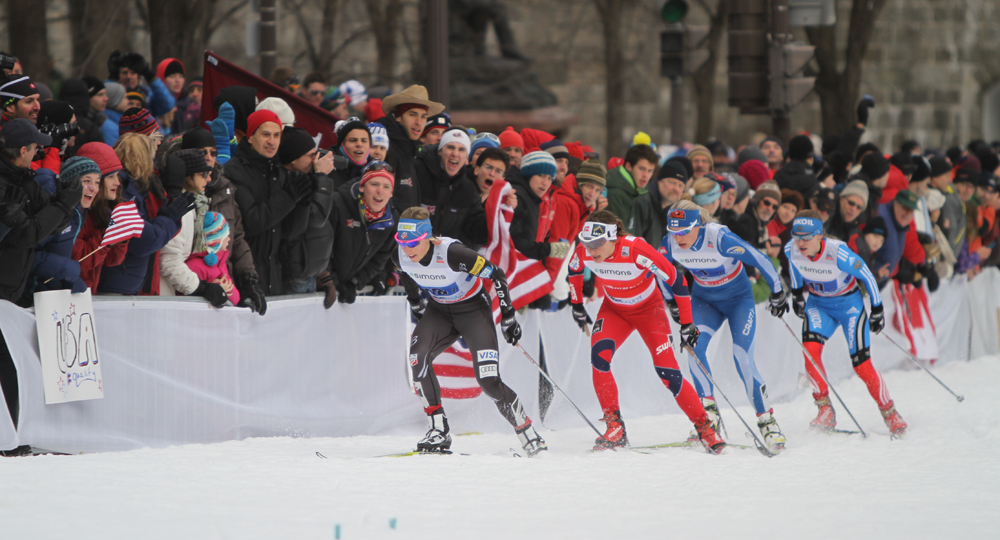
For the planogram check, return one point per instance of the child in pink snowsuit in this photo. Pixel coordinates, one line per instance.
(211, 265)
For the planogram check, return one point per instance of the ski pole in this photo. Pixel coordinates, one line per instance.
(823, 375)
(914, 360)
(756, 440)
(556, 386)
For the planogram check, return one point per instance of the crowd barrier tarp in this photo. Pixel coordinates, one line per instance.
(177, 371)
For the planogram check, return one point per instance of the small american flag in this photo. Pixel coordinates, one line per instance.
(125, 223)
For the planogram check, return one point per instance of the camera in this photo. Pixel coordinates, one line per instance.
(60, 132)
(7, 62)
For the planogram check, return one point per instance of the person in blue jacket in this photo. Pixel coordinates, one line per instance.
(133, 72)
(53, 266)
(720, 291)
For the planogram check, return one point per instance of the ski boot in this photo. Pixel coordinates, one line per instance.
(438, 438)
(709, 438)
(530, 440)
(826, 419)
(897, 427)
(615, 436)
(713, 414)
(769, 429)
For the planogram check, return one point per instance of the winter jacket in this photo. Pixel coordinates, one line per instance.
(53, 267)
(87, 244)
(175, 276)
(622, 193)
(952, 214)
(402, 156)
(840, 229)
(43, 216)
(457, 210)
(752, 230)
(204, 272)
(307, 251)
(569, 211)
(110, 127)
(358, 254)
(349, 175)
(897, 182)
(139, 272)
(187, 116)
(859, 245)
(264, 201)
(221, 195)
(649, 217)
(529, 216)
(158, 99)
(797, 176)
(892, 249)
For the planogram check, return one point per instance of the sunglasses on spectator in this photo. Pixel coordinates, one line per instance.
(377, 166)
(317, 92)
(853, 204)
(768, 203)
(213, 152)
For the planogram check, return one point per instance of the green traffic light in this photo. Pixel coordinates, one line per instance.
(674, 10)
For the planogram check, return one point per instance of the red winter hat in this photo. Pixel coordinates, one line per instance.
(259, 117)
(575, 150)
(532, 139)
(756, 173)
(509, 138)
(103, 155)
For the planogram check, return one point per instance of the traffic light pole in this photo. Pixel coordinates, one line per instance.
(781, 125)
(677, 135)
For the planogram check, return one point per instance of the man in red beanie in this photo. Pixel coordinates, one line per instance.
(512, 143)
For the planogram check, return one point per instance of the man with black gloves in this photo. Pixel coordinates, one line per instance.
(31, 214)
(133, 72)
(267, 193)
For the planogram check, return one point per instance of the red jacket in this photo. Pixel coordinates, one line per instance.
(87, 241)
(569, 215)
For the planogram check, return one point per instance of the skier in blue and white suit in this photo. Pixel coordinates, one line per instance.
(721, 291)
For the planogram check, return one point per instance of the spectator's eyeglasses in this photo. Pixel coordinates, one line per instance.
(212, 152)
(768, 203)
(205, 174)
(853, 204)
(412, 243)
(317, 92)
(377, 166)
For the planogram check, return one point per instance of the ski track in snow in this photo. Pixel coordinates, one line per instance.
(941, 481)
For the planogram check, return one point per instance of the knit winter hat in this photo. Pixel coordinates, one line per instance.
(826, 199)
(136, 96)
(437, 121)
(197, 138)
(376, 169)
(556, 148)
(15, 88)
(259, 117)
(790, 196)
(699, 150)
(344, 127)
(756, 173)
(137, 120)
(875, 165)
(673, 169)
(742, 188)
(800, 148)
(922, 169)
(768, 189)
(748, 153)
(857, 188)
(116, 93)
(77, 167)
(537, 162)
(355, 92)
(454, 136)
(94, 85)
(216, 230)
(484, 140)
(194, 161)
(592, 172)
(939, 166)
(103, 155)
(903, 162)
(876, 225)
(295, 143)
(380, 137)
(279, 107)
(173, 67)
(509, 138)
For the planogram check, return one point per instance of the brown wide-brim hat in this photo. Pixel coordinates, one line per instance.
(415, 94)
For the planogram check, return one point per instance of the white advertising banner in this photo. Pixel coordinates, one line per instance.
(67, 346)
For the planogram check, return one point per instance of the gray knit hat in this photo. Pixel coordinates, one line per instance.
(115, 92)
(857, 188)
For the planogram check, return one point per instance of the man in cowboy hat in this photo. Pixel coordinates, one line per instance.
(406, 115)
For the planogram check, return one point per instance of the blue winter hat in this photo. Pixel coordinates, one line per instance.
(681, 222)
(807, 226)
(413, 230)
(216, 230)
(380, 137)
(484, 140)
(76, 167)
(538, 162)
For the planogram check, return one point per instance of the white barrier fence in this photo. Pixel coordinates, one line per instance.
(177, 371)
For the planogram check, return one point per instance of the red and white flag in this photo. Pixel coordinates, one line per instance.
(125, 223)
(527, 278)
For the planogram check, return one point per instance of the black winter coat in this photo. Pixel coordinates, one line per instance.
(358, 253)
(456, 209)
(797, 176)
(401, 156)
(308, 253)
(265, 202)
(524, 226)
(347, 176)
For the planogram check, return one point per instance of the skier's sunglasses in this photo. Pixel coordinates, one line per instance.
(803, 237)
(412, 243)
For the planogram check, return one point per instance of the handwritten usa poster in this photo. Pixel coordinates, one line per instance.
(67, 344)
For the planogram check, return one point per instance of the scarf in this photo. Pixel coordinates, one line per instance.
(375, 221)
(348, 155)
(200, 209)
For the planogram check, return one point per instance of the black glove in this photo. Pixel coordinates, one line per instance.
(798, 303)
(183, 204)
(173, 175)
(213, 292)
(675, 311)
(589, 286)
(252, 293)
(779, 303)
(867, 102)
(689, 334)
(324, 282)
(378, 285)
(347, 292)
(581, 317)
(933, 280)
(300, 186)
(876, 321)
(70, 192)
(511, 330)
(418, 308)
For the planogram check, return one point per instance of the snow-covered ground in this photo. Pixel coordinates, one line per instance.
(941, 481)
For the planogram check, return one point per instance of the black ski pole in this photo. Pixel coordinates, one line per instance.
(914, 360)
(756, 440)
(823, 375)
(556, 386)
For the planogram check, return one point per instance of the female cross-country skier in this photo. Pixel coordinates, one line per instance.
(721, 291)
(454, 277)
(831, 272)
(627, 267)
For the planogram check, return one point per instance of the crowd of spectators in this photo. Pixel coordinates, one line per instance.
(252, 208)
